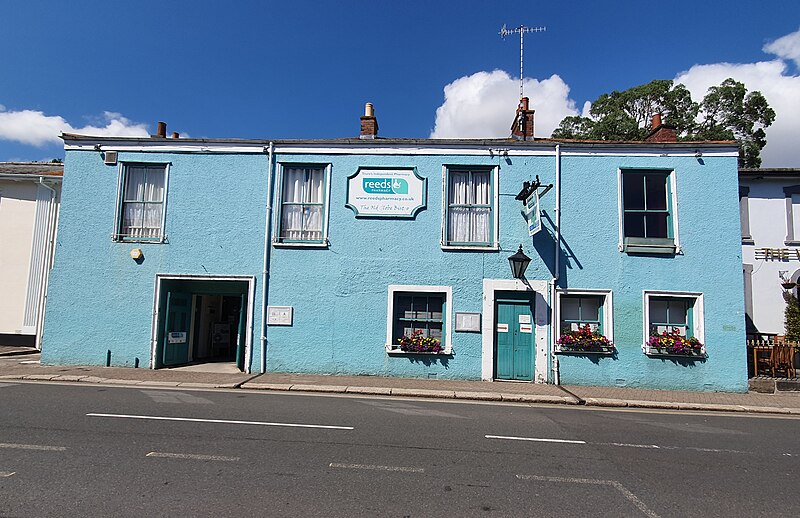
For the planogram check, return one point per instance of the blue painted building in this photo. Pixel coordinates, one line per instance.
(381, 256)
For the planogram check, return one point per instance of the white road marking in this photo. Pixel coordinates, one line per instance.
(533, 439)
(380, 468)
(626, 445)
(223, 421)
(613, 483)
(6, 474)
(165, 396)
(32, 447)
(191, 456)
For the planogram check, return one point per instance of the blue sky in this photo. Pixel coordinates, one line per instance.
(305, 69)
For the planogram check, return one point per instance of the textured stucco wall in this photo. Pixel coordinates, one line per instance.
(340, 304)
(99, 298)
(708, 221)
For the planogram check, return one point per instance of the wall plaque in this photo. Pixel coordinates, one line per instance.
(386, 192)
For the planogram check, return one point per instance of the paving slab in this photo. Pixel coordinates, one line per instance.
(93, 379)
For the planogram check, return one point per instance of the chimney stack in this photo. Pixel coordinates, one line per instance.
(161, 132)
(175, 134)
(522, 128)
(660, 132)
(369, 124)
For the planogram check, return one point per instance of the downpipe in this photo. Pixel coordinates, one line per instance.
(557, 263)
(267, 251)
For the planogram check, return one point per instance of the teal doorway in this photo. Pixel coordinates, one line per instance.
(202, 321)
(513, 337)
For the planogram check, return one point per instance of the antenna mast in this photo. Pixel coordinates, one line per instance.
(521, 30)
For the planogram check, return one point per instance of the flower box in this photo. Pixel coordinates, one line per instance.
(584, 340)
(419, 344)
(674, 344)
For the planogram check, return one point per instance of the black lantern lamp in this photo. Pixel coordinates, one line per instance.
(519, 263)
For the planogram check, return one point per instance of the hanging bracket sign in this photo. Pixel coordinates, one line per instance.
(386, 192)
(532, 213)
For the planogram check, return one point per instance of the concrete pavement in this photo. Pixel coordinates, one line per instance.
(26, 367)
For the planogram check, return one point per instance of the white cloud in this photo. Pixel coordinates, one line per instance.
(37, 129)
(782, 91)
(786, 47)
(483, 105)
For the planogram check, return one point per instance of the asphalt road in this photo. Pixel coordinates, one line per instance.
(75, 450)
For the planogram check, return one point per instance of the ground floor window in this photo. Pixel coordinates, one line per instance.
(674, 323)
(584, 318)
(418, 319)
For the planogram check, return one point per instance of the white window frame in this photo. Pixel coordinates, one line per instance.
(494, 172)
(447, 318)
(673, 185)
(278, 202)
(698, 315)
(608, 311)
(115, 235)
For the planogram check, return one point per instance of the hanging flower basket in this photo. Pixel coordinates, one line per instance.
(584, 340)
(416, 343)
(674, 344)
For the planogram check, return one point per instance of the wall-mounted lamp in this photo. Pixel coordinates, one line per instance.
(137, 254)
(519, 263)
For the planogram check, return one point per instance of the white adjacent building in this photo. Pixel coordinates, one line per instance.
(769, 201)
(29, 200)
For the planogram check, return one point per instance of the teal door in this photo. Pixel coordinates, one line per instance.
(176, 330)
(513, 339)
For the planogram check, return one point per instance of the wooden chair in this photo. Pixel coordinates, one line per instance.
(783, 361)
(764, 363)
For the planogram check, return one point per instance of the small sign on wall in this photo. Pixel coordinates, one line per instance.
(176, 337)
(279, 315)
(468, 322)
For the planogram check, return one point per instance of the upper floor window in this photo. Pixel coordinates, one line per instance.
(648, 221)
(141, 214)
(303, 201)
(471, 209)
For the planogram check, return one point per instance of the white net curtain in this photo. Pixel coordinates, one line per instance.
(301, 212)
(470, 209)
(143, 202)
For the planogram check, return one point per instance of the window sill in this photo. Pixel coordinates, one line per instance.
(576, 352)
(396, 351)
(791, 243)
(298, 244)
(648, 249)
(156, 241)
(470, 248)
(655, 353)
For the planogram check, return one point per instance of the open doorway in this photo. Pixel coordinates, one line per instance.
(202, 320)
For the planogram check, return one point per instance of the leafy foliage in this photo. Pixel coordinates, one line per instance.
(727, 112)
(792, 317)
(418, 343)
(675, 343)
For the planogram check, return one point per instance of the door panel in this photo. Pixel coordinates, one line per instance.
(176, 331)
(514, 340)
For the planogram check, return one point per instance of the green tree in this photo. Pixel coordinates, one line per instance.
(792, 317)
(727, 112)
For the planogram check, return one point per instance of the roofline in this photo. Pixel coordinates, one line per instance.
(769, 172)
(387, 142)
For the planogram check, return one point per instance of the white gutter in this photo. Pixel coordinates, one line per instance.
(267, 250)
(46, 261)
(557, 262)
